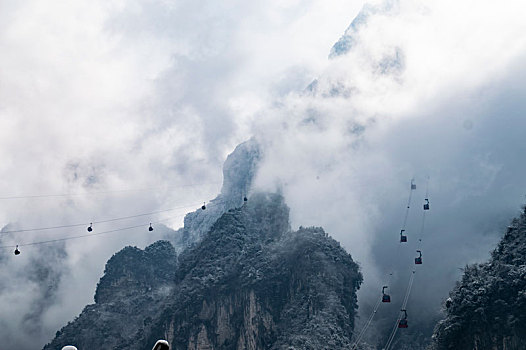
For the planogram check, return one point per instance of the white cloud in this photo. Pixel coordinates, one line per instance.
(98, 96)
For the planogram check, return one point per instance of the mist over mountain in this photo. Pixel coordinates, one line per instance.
(250, 283)
(116, 109)
(239, 171)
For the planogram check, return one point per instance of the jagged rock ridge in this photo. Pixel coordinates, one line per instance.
(238, 173)
(250, 283)
(487, 308)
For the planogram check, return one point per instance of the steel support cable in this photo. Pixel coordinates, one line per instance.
(422, 227)
(408, 206)
(85, 235)
(97, 233)
(367, 324)
(406, 299)
(99, 221)
(404, 304)
(411, 280)
(403, 228)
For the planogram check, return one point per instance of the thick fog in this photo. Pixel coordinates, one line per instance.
(431, 92)
(131, 107)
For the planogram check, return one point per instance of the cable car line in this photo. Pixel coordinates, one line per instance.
(84, 235)
(403, 238)
(362, 332)
(404, 305)
(386, 297)
(402, 322)
(99, 221)
(150, 228)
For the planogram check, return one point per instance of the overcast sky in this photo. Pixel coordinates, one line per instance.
(150, 97)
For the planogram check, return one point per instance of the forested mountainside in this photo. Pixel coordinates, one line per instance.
(250, 283)
(487, 308)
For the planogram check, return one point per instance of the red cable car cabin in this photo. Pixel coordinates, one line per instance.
(403, 322)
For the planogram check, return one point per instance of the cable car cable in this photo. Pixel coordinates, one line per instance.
(97, 222)
(84, 235)
(404, 305)
(367, 324)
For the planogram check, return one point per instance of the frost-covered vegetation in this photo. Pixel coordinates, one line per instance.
(250, 283)
(487, 308)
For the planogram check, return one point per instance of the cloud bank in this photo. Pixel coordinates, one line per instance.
(150, 96)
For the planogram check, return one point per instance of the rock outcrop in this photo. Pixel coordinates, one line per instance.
(487, 308)
(250, 283)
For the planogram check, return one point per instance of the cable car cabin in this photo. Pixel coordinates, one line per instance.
(245, 199)
(403, 322)
(418, 260)
(426, 204)
(385, 297)
(17, 251)
(150, 228)
(90, 228)
(203, 206)
(403, 238)
(413, 185)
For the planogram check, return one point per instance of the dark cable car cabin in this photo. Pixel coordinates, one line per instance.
(16, 250)
(245, 199)
(203, 206)
(161, 345)
(150, 228)
(385, 297)
(90, 228)
(403, 322)
(426, 204)
(403, 238)
(418, 260)
(413, 185)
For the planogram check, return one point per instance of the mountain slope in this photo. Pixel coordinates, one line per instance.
(487, 308)
(250, 283)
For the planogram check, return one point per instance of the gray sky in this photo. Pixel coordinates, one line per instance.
(102, 96)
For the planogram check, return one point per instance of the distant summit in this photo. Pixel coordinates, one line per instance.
(348, 39)
(238, 173)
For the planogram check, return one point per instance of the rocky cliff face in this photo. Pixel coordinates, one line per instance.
(238, 172)
(250, 283)
(487, 308)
